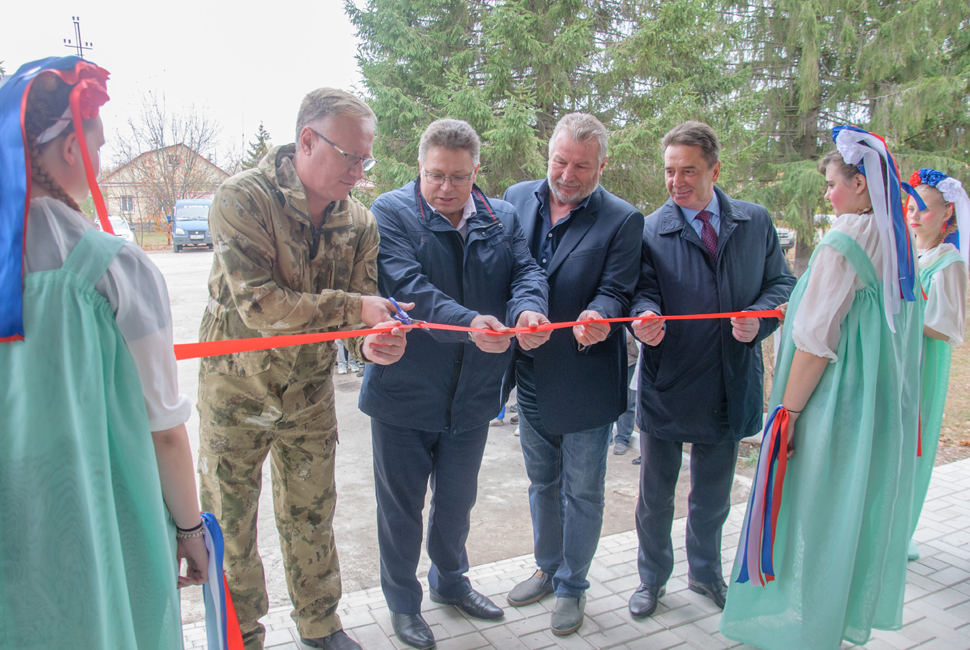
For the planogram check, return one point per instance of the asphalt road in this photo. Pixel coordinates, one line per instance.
(501, 525)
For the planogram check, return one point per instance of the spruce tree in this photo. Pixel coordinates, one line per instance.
(513, 68)
(257, 149)
(510, 69)
(900, 70)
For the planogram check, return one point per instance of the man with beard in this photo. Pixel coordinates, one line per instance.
(572, 389)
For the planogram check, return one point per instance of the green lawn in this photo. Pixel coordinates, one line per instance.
(153, 240)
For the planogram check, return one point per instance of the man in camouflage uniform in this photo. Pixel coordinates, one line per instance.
(294, 253)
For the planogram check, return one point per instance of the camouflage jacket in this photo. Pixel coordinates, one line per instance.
(274, 273)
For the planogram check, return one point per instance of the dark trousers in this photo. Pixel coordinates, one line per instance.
(624, 424)
(404, 461)
(711, 478)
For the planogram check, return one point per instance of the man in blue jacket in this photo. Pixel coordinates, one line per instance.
(571, 390)
(462, 259)
(700, 380)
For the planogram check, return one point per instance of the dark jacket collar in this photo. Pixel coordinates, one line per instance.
(483, 216)
(673, 219)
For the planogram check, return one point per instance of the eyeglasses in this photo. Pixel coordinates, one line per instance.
(456, 181)
(349, 159)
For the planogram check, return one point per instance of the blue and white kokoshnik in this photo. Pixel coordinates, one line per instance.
(953, 192)
(899, 270)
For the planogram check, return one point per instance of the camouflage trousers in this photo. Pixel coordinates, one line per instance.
(304, 495)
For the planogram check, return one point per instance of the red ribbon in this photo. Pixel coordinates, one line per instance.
(232, 346)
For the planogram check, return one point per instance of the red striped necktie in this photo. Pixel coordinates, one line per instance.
(708, 235)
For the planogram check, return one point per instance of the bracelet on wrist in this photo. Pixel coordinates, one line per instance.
(190, 530)
(180, 535)
(793, 410)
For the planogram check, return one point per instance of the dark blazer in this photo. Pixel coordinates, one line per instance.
(596, 266)
(444, 382)
(700, 384)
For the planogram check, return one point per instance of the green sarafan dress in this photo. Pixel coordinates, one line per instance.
(844, 523)
(87, 548)
(935, 379)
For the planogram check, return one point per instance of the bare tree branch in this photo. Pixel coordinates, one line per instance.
(163, 157)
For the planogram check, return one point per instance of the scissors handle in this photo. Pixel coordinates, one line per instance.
(401, 314)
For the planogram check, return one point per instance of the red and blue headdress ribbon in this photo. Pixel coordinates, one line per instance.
(87, 96)
(221, 625)
(953, 192)
(899, 270)
(758, 533)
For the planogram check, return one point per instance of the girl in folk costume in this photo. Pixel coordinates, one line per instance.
(943, 274)
(96, 461)
(825, 559)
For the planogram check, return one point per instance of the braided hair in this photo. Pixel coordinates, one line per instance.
(46, 103)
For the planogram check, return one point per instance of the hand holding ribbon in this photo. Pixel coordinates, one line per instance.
(592, 328)
(533, 338)
(745, 329)
(489, 334)
(649, 328)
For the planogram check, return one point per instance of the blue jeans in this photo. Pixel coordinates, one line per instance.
(624, 425)
(343, 356)
(567, 477)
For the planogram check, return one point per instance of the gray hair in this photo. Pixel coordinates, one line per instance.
(694, 134)
(452, 134)
(322, 103)
(581, 127)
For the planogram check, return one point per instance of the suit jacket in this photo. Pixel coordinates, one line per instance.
(700, 384)
(595, 266)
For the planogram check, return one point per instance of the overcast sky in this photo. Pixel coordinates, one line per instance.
(242, 61)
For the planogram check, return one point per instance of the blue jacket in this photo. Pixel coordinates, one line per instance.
(444, 382)
(595, 267)
(699, 368)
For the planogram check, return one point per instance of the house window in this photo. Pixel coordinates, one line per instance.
(128, 204)
(174, 161)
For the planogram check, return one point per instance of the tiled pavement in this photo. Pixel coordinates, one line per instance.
(937, 612)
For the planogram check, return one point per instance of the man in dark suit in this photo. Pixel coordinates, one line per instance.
(700, 380)
(574, 387)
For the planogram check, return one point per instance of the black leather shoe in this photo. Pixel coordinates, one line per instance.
(336, 641)
(716, 591)
(472, 603)
(412, 630)
(644, 600)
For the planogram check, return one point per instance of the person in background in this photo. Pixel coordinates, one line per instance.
(943, 275)
(624, 425)
(345, 362)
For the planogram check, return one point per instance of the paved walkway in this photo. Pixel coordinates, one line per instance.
(937, 613)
